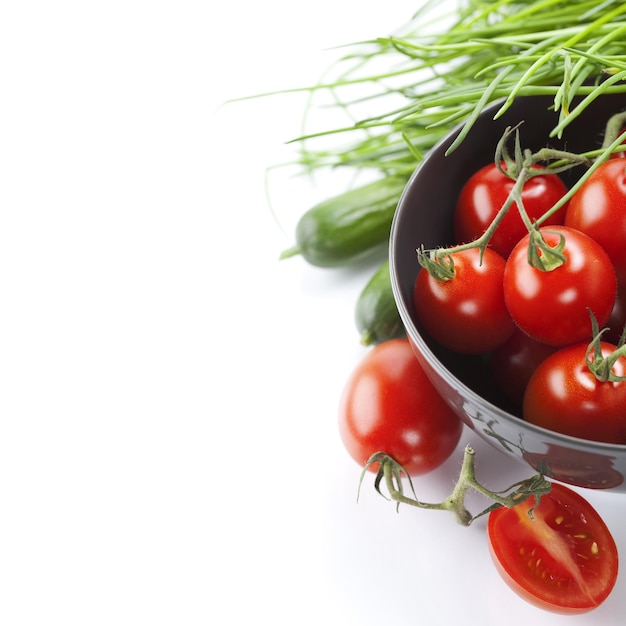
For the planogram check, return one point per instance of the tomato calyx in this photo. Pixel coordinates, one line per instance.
(392, 473)
(543, 256)
(599, 364)
(438, 263)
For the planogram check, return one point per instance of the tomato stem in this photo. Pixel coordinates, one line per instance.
(439, 265)
(392, 473)
(600, 365)
(615, 129)
(542, 255)
(522, 167)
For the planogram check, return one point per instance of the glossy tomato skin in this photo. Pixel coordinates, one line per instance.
(467, 313)
(564, 561)
(486, 192)
(563, 395)
(598, 209)
(389, 405)
(553, 306)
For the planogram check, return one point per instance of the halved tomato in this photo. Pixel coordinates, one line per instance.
(564, 559)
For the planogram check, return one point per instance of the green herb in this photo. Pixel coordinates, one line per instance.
(402, 93)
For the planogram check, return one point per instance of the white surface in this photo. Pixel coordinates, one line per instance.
(168, 389)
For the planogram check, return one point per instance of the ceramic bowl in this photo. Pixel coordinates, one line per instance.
(424, 217)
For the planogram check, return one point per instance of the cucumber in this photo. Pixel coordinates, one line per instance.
(376, 316)
(349, 227)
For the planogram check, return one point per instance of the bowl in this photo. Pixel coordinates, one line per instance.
(424, 217)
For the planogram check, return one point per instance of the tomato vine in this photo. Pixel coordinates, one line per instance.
(391, 472)
(521, 166)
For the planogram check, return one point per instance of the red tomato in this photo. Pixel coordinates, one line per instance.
(598, 209)
(486, 192)
(552, 306)
(389, 405)
(513, 363)
(564, 560)
(466, 313)
(563, 395)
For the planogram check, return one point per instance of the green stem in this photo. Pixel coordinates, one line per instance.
(392, 473)
(614, 129)
(522, 168)
(600, 365)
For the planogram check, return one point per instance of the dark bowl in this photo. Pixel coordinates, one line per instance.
(424, 217)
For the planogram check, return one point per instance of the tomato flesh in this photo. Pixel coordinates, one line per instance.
(564, 560)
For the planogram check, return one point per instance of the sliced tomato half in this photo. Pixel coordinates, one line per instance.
(564, 559)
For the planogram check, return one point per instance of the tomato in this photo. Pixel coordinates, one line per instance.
(486, 192)
(564, 560)
(466, 313)
(389, 405)
(563, 395)
(513, 363)
(552, 306)
(598, 209)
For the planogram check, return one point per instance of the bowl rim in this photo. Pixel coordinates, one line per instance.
(416, 336)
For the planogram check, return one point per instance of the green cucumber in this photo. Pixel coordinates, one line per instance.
(349, 227)
(376, 316)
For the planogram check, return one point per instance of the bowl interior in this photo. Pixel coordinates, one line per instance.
(424, 217)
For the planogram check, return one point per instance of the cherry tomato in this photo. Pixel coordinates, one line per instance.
(389, 405)
(466, 313)
(598, 209)
(513, 363)
(486, 192)
(563, 395)
(564, 560)
(552, 306)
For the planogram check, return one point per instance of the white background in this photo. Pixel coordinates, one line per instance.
(168, 388)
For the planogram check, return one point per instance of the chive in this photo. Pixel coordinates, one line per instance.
(440, 70)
